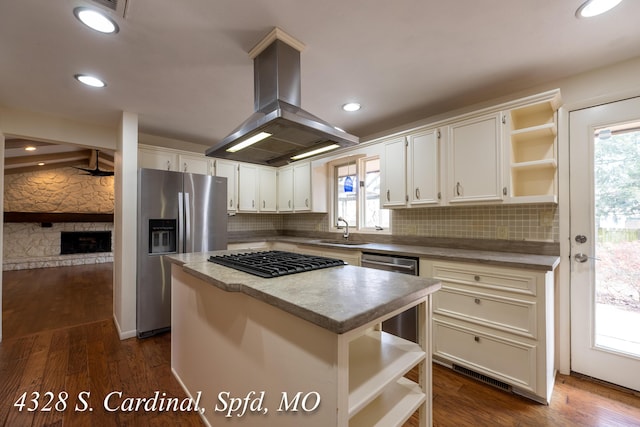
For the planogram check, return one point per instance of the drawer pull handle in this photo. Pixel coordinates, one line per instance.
(476, 339)
(476, 278)
(477, 300)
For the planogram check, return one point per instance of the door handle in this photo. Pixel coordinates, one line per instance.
(580, 257)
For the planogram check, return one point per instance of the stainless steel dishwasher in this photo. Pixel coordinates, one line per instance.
(405, 324)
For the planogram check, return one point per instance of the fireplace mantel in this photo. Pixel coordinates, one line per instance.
(50, 217)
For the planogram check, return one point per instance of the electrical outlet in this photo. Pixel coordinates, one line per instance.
(502, 232)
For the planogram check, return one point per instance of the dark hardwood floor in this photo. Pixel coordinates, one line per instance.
(70, 344)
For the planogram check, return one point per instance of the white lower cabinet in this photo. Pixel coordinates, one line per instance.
(495, 324)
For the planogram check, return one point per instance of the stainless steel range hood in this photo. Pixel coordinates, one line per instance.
(277, 110)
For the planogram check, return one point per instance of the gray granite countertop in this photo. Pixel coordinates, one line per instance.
(338, 299)
(497, 258)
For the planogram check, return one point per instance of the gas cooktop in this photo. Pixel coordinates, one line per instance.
(269, 264)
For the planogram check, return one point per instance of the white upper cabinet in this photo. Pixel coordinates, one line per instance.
(302, 186)
(150, 157)
(393, 189)
(229, 170)
(423, 168)
(247, 187)
(285, 189)
(267, 189)
(475, 159)
(156, 158)
(194, 164)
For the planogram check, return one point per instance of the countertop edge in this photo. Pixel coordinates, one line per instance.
(328, 323)
(498, 259)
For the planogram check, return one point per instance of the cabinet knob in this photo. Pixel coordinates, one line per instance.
(476, 278)
(476, 339)
(477, 300)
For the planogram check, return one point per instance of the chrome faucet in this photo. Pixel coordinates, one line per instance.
(346, 227)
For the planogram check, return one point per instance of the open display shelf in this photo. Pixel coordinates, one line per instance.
(533, 151)
(377, 388)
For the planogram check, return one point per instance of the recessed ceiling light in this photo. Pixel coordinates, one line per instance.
(90, 80)
(95, 20)
(29, 148)
(41, 164)
(351, 106)
(592, 8)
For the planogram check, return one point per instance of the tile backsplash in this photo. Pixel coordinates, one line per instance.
(535, 222)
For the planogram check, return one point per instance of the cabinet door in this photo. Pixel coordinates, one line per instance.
(423, 171)
(157, 159)
(229, 170)
(193, 164)
(285, 189)
(302, 187)
(247, 187)
(267, 189)
(394, 177)
(475, 162)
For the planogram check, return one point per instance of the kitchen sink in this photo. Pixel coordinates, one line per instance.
(340, 242)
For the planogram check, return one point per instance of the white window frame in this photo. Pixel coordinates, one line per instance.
(359, 160)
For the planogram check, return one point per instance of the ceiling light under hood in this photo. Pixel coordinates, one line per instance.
(292, 130)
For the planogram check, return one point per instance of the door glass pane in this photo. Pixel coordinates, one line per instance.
(617, 221)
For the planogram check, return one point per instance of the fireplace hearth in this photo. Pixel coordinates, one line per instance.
(84, 242)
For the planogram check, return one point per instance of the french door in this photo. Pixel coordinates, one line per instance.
(604, 150)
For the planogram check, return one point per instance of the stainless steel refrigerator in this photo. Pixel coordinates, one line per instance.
(177, 213)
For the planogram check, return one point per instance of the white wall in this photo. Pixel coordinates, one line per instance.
(125, 223)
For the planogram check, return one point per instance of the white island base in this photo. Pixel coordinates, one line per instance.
(261, 366)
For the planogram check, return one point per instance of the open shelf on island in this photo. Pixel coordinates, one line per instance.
(392, 407)
(378, 360)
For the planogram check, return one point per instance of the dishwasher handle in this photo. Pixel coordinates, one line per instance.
(389, 264)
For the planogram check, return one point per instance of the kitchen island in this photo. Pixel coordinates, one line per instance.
(303, 349)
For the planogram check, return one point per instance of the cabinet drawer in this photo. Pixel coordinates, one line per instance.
(507, 314)
(505, 360)
(503, 279)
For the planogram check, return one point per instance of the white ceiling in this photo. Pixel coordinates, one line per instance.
(183, 66)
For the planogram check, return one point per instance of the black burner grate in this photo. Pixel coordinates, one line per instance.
(274, 263)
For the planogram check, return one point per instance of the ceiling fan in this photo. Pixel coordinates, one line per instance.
(97, 171)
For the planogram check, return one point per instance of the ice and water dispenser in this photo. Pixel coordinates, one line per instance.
(162, 236)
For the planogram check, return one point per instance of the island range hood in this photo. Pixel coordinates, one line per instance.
(282, 129)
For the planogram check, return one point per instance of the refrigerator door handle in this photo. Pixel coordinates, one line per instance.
(188, 238)
(180, 222)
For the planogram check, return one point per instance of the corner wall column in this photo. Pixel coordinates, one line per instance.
(125, 229)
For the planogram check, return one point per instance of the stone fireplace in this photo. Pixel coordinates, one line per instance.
(43, 206)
